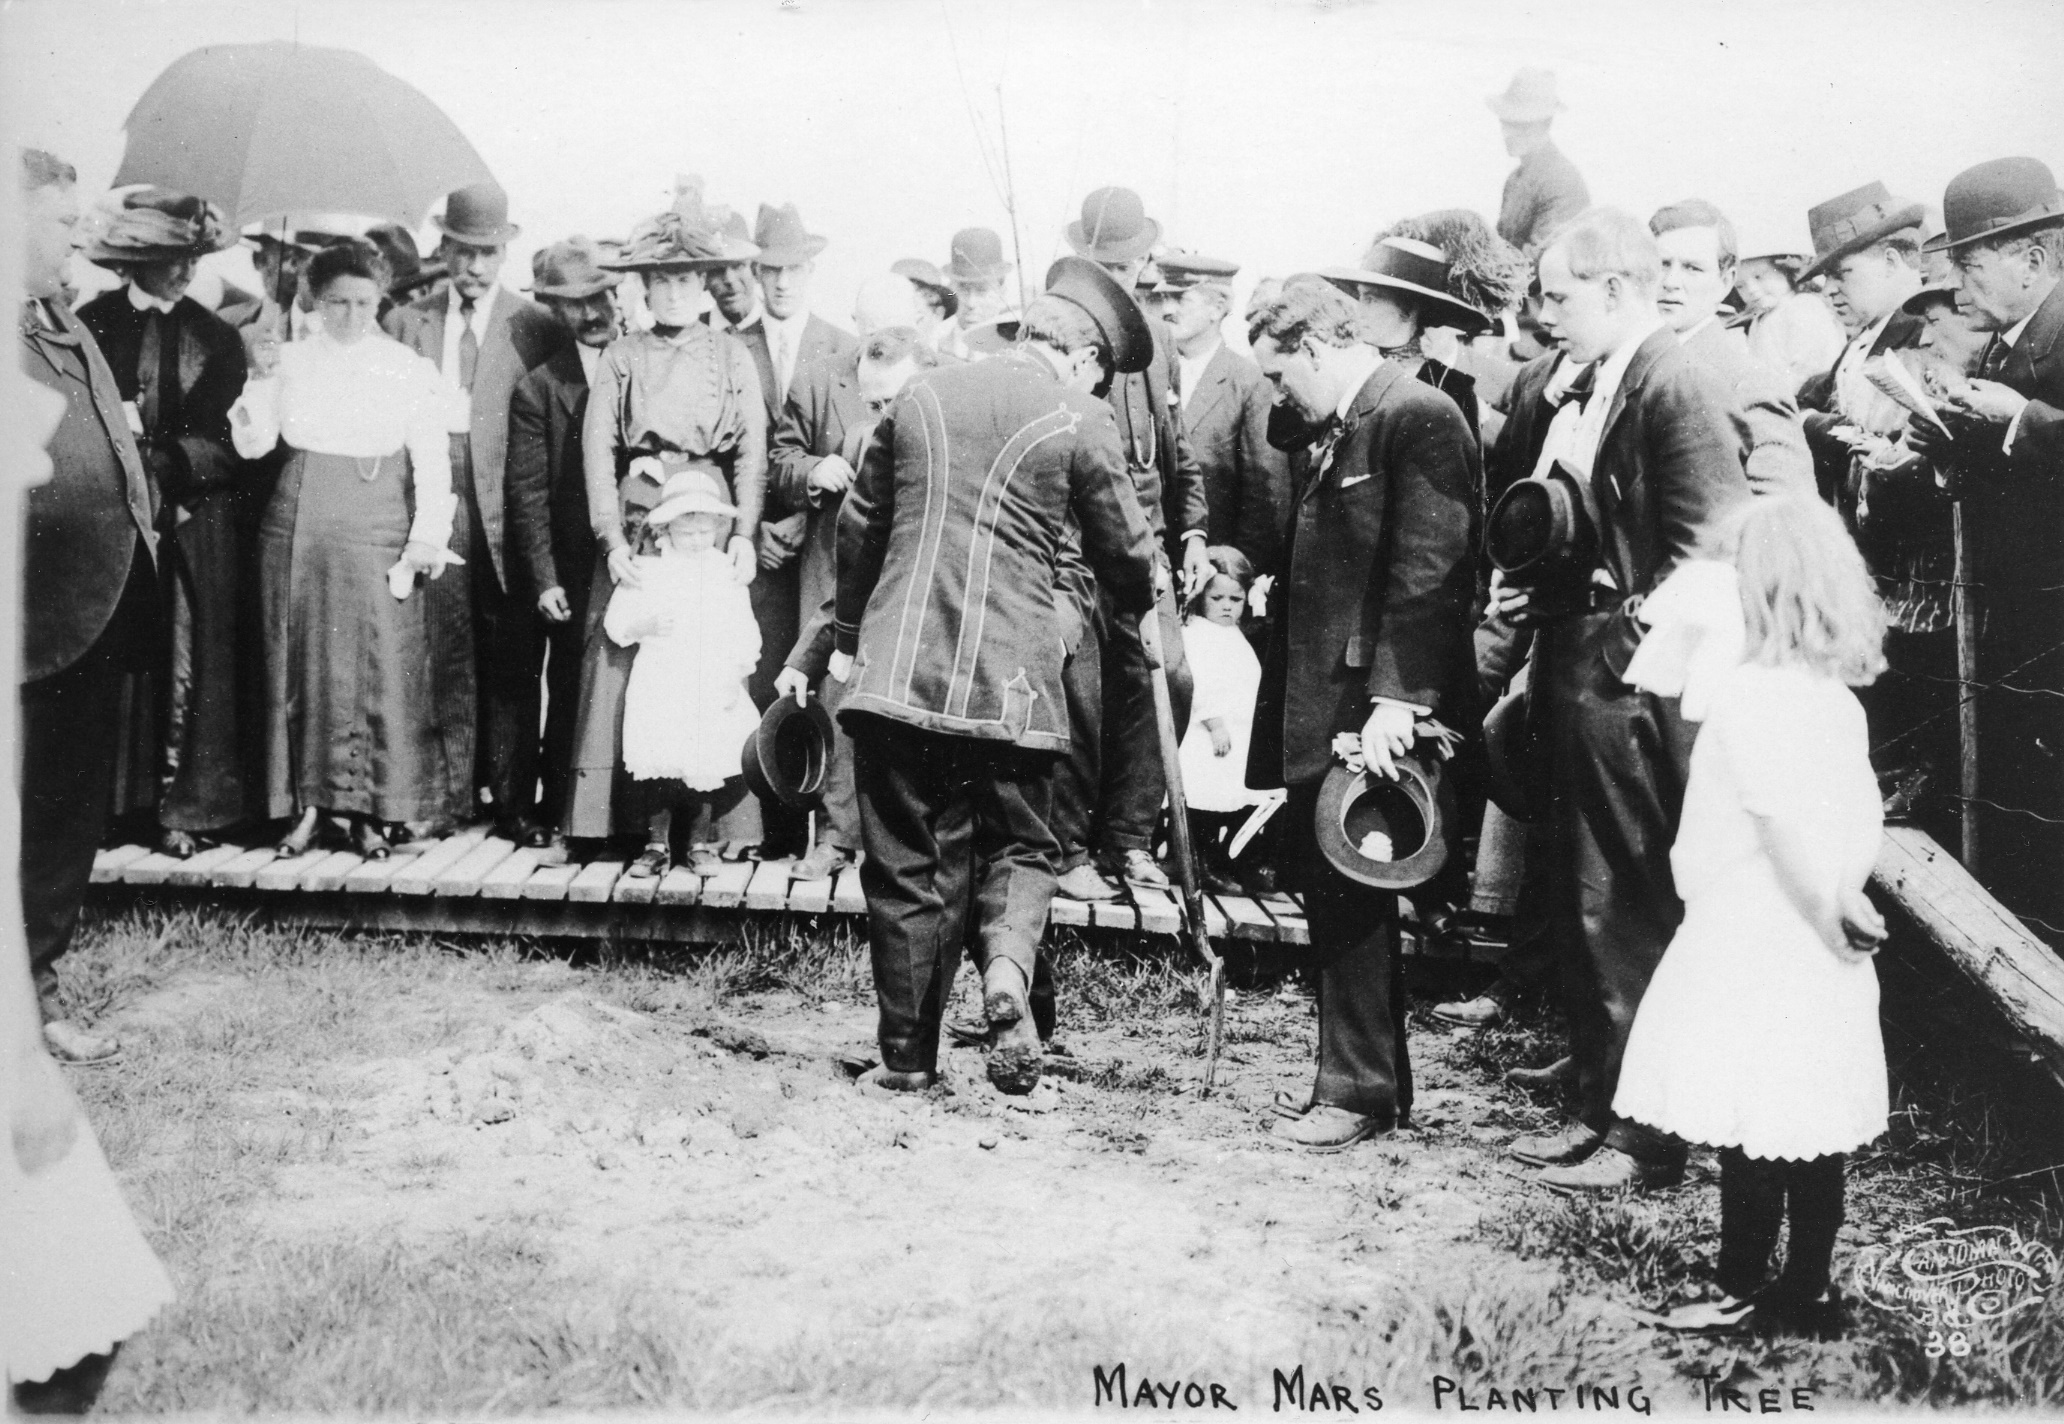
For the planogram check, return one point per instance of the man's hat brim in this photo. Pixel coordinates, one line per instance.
(1943, 242)
(500, 237)
(1140, 244)
(580, 291)
(1920, 301)
(1899, 220)
(1417, 809)
(1081, 281)
(1523, 111)
(1445, 310)
(792, 256)
(786, 757)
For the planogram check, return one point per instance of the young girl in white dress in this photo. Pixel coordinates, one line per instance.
(686, 710)
(1214, 750)
(1759, 1033)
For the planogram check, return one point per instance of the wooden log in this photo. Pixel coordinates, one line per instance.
(726, 889)
(847, 898)
(768, 887)
(466, 876)
(505, 881)
(1980, 936)
(592, 885)
(199, 869)
(107, 864)
(551, 882)
(1249, 920)
(419, 875)
(242, 872)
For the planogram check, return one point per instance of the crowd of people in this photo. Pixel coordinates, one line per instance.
(1601, 518)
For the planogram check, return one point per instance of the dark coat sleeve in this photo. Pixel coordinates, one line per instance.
(791, 452)
(529, 479)
(1116, 541)
(865, 518)
(1264, 482)
(1418, 619)
(1183, 498)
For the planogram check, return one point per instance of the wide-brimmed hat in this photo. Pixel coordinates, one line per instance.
(477, 216)
(690, 491)
(1414, 816)
(926, 275)
(673, 242)
(782, 239)
(1117, 316)
(1529, 97)
(154, 225)
(397, 245)
(1996, 199)
(1854, 221)
(788, 756)
(1114, 227)
(1407, 265)
(976, 256)
(571, 270)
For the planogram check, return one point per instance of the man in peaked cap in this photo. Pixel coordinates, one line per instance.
(483, 338)
(2005, 238)
(947, 635)
(1113, 807)
(1545, 190)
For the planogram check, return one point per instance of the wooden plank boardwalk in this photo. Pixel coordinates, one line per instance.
(473, 883)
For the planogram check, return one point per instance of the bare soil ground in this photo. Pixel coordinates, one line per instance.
(398, 1175)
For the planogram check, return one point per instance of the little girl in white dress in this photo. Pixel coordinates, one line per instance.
(1214, 749)
(1759, 1033)
(686, 711)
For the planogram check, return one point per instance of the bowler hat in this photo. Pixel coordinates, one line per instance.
(1407, 265)
(154, 225)
(1528, 98)
(478, 216)
(1854, 221)
(1117, 316)
(1996, 199)
(977, 256)
(788, 754)
(570, 270)
(922, 273)
(1414, 814)
(782, 239)
(1114, 227)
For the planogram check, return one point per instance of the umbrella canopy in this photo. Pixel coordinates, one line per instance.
(265, 129)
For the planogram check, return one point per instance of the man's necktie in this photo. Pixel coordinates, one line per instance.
(1578, 390)
(1995, 360)
(784, 372)
(469, 347)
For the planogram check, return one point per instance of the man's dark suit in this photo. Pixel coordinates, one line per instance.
(554, 547)
(90, 613)
(1375, 602)
(1819, 415)
(1770, 431)
(479, 624)
(949, 546)
(1246, 480)
(1668, 469)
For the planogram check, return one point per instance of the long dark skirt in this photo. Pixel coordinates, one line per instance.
(351, 711)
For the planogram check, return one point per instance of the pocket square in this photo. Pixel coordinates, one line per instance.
(1346, 480)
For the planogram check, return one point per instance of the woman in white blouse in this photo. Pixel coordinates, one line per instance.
(361, 514)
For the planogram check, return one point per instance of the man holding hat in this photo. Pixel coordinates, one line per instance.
(483, 338)
(2005, 237)
(975, 271)
(179, 369)
(947, 634)
(1545, 190)
(548, 504)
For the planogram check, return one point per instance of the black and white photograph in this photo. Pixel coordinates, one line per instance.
(938, 708)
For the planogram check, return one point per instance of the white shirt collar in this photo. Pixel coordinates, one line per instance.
(144, 301)
(590, 358)
(481, 310)
(2012, 335)
(791, 325)
(1368, 358)
(758, 313)
(1613, 369)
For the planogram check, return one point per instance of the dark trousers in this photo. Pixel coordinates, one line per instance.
(1364, 1065)
(550, 759)
(838, 822)
(71, 724)
(776, 595)
(1078, 779)
(1754, 1195)
(1114, 786)
(508, 646)
(958, 852)
(1618, 760)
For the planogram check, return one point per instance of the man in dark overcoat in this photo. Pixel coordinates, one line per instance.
(180, 368)
(483, 338)
(2005, 236)
(1372, 634)
(555, 560)
(1656, 443)
(90, 607)
(949, 545)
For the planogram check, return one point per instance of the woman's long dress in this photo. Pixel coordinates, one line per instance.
(351, 716)
(694, 394)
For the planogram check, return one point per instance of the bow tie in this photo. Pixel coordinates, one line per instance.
(1578, 390)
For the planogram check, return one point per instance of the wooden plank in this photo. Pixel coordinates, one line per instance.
(505, 881)
(1216, 923)
(238, 874)
(153, 869)
(809, 897)
(465, 877)
(847, 898)
(1249, 920)
(285, 872)
(1068, 912)
(635, 889)
(1158, 913)
(726, 889)
(768, 887)
(551, 882)
(328, 873)
(1113, 915)
(108, 863)
(679, 886)
(199, 869)
(1980, 936)
(591, 886)
(376, 877)
(419, 875)
(1289, 918)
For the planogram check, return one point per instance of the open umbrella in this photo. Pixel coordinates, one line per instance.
(265, 129)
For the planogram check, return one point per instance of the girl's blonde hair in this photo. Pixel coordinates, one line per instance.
(1805, 593)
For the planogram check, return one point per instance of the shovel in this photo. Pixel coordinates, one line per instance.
(1179, 837)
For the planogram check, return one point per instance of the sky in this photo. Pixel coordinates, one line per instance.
(1278, 133)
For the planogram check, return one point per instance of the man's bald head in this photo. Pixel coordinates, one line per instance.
(884, 301)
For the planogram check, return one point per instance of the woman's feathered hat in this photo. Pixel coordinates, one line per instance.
(690, 236)
(1485, 272)
(153, 225)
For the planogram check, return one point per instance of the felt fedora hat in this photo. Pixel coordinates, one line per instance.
(1114, 227)
(1997, 199)
(478, 216)
(570, 270)
(976, 256)
(1405, 264)
(926, 275)
(1854, 221)
(788, 754)
(782, 239)
(154, 225)
(1413, 817)
(1124, 326)
(1529, 97)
